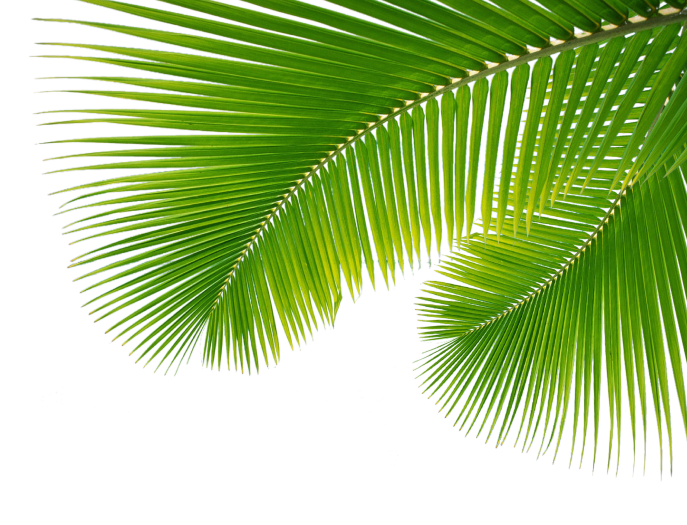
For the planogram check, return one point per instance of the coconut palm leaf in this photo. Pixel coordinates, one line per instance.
(531, 327)
(320, 151)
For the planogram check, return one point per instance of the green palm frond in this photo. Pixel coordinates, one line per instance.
(321, 151)
(531, 326)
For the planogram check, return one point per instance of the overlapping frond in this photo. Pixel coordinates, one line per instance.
(526, 322)
(324, 150)
(533, 328)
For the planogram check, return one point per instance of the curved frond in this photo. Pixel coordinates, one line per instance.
(327, 144)
(532, 326)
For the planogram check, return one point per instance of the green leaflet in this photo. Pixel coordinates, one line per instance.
(538, 84)
(497, 100)
(462, 114)
(541, 178)
(421, 174)
(448, 115)
(479, 104)
(518, 88)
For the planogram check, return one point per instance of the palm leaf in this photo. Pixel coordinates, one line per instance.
(316, 148)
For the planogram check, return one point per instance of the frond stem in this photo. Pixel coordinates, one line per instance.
(555, 276)
(665, 17)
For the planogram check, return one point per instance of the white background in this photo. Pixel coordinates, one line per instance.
(138, 468)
